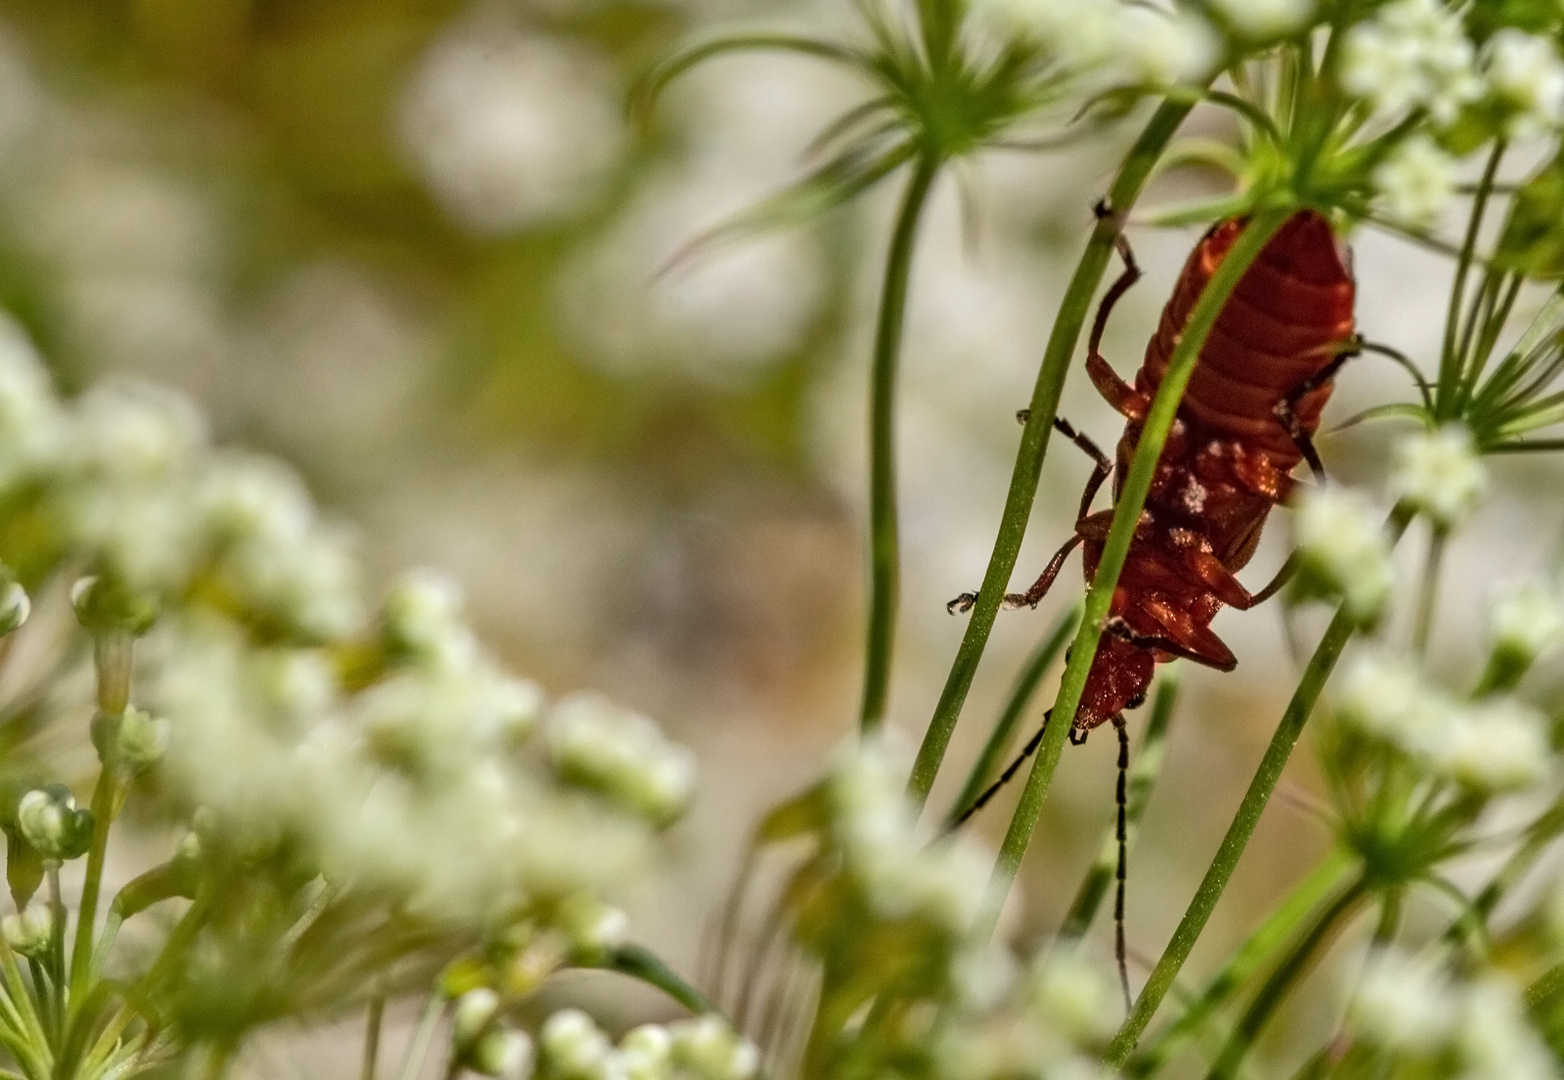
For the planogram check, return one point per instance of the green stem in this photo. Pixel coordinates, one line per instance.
(1073, 310)
(884, 554)
(1281, 924)
(1282, 980)
(372, 1025)
(1143, 777)
(418, 1047)
(641, 963)
(993, 753)
(1128, 502)
(105, 804)
(1428, 594)
(1449, 360)
(1242, 827)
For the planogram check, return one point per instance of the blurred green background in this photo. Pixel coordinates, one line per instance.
(421, 249)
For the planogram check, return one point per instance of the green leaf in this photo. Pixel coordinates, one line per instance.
(1532, 242)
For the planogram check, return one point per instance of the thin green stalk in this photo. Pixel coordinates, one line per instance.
(1073, 311)
(56, 965)
(993, 753)
(884, 553)
(372, 1025)
(105, 804)
(1280, 925)
(423, 1034)
(1242, 828)
(1428, 593)
(641, 963)
(1126, 516)
(1449, 361)
(1282, 980)
(1143, 777)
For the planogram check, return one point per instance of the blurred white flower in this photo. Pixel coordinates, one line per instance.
(132, 431)
(1385, 696)
(28, 932)
(592, 926)
(309, 583)
(504, 1053)
(142, 740)
(1416, 181)
(1263, 20)
(1161, 48)
(1342, 548)
(1411, 54)
(984, 975)
(1525, 619)
(1074, 995)
(645, 1051)
(573, 1047)
(245, 496)
(712, 1050)
(1525, 72)
(512, 129)
(1496, 1042)
(471, 1015)
(1402, 1004)
(1439, 473)
(30, 415)
(1497, 745)
(1083, 33)
(620, 753)
(15, 606)
(424, 617)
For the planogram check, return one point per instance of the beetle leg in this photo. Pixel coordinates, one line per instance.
(1286, 409)
(1033, 596)
(1101, 466)
(1184, 638)
(1118, 393)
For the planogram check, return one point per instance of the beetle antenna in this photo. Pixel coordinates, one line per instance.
(1005, 777)
(1121, 831)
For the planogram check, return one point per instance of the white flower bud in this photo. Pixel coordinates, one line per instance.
(1525, 619)
(424, 617)
(983, 976)
(1495, 1040)
(1438, 473)
(50, 821)
(1412, 54)
(14, 607)
(1265, 20)
(142, 740)
(504, 1053)
(1343, 549)
(1082, 34)
(593, 927)
(472, 1014)
(508, 706)
(1401, 1005)
(28, 933)
(244, 497)
(1162, 48)
(1525, 73)
(1416, 181)
(1497, 746)
(620, 753)
(712, 1050)
(1073, 995)
(573, 1046)
(645, 1052)
(1377, 694)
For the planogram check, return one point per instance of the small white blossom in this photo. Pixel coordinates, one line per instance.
(1075, 996)
(1402, 1005)
(1386, 697)
(620, 753)
(573, 1046)
(30, 415)
(1083, 33)
(1525, 619)
(1439, 473)
(142, 740)
(424, 615)
(132, 431)
(1411, 54)
(1495, 1040)
(712, 1050)
(644, 1052)
(245, 497)
(1416, 181)
(309, 584)
(984, 976)
(592, 926)
(1498, 745)
(504, 1053)
(1265, 20)
(28, 932)
(1525, 72)
(472, 1013)
(52, 824)
(1343, 549)
(1160, 48)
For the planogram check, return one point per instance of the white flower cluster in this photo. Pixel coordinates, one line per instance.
(1343, 550)
(621, 754)
(1439, 474)
(1046, 1027)
(1404, 1006)
(1111, 42)
(1525, 620)
(1526, 76)
(1493, 745)
(1415, 181)
(703, 1048)
(901, 875)
(1413, 54)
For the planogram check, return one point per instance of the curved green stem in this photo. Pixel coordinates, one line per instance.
(884, 553)
(993, 753)
(1428, 592)
(1126, 516)
(1282, 980)
(1073, 311)
(1281, 924)
(641, 963)
(1242, 828)
(1143, 777)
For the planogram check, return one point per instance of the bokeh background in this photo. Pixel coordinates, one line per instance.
(420, 248)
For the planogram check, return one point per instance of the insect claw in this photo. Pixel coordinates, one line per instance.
(961, 603)
(1019, 600)
(1023, 415)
